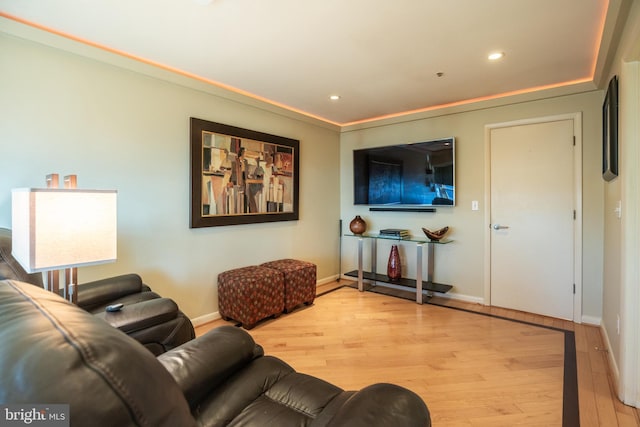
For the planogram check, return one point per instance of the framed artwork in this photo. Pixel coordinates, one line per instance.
(241, 176)
(610, 131)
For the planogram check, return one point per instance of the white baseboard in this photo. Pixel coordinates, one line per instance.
(612, 360)
(328, 280)
(461, 297)
(201, 320)
(592, 320)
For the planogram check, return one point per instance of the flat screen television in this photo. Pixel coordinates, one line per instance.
(417, 174)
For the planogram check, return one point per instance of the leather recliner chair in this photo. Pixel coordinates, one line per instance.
(154, 321)
(55, 353)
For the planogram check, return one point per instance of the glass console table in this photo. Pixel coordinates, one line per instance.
(402, 284)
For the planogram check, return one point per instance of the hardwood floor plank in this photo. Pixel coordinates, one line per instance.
(586, 391)
(470, 369)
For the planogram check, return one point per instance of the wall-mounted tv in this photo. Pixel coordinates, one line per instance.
(417, 174)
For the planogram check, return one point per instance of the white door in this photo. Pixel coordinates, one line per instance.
(532, 218)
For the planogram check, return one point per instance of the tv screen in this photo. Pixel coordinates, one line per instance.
(419, 174)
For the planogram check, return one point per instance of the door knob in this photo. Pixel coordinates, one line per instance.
(499, 227)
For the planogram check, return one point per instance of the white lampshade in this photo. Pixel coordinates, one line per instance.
(63, 228)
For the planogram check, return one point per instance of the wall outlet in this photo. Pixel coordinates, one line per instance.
(474, 205)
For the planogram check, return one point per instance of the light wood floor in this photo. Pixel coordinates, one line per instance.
(470, 370)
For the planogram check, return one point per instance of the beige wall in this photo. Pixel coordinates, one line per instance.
(119, 129)
(462, 263)
(622, 244)
(621, 296)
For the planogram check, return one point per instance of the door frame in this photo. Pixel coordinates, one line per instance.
(577, 199)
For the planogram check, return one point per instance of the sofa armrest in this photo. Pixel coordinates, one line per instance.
(107, 290)
(202, 364)
(141, 315)
(383, 405)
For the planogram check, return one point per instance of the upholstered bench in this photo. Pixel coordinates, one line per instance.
(299, 281)
(250, 294)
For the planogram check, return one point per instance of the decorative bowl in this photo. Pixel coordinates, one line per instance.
(435, 235)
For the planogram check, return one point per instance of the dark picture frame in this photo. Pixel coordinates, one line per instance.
(610, 131)
(241, 176)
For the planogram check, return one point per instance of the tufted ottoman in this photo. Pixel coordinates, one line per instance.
(250, 294)
(299, 281)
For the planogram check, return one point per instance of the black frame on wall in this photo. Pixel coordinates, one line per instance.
(610, 131)
(256, 176)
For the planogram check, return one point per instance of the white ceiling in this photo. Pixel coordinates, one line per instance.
(381, 57)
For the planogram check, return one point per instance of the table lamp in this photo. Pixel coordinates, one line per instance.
(56, 228)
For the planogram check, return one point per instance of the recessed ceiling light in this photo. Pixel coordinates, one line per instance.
(494, 56)
(334, 97)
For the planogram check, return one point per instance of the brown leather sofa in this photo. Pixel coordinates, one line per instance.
(55, 353)
(154, 321)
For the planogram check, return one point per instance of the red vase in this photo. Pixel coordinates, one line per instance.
(394, 270)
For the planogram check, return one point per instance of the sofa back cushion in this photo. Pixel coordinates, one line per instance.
(54, 352)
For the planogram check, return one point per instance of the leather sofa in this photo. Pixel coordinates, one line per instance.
(53, 352)
(154, 321)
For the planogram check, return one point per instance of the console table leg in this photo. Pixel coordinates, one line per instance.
(374, 259)
(419, 274)
(360, 271)
(430, 262)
